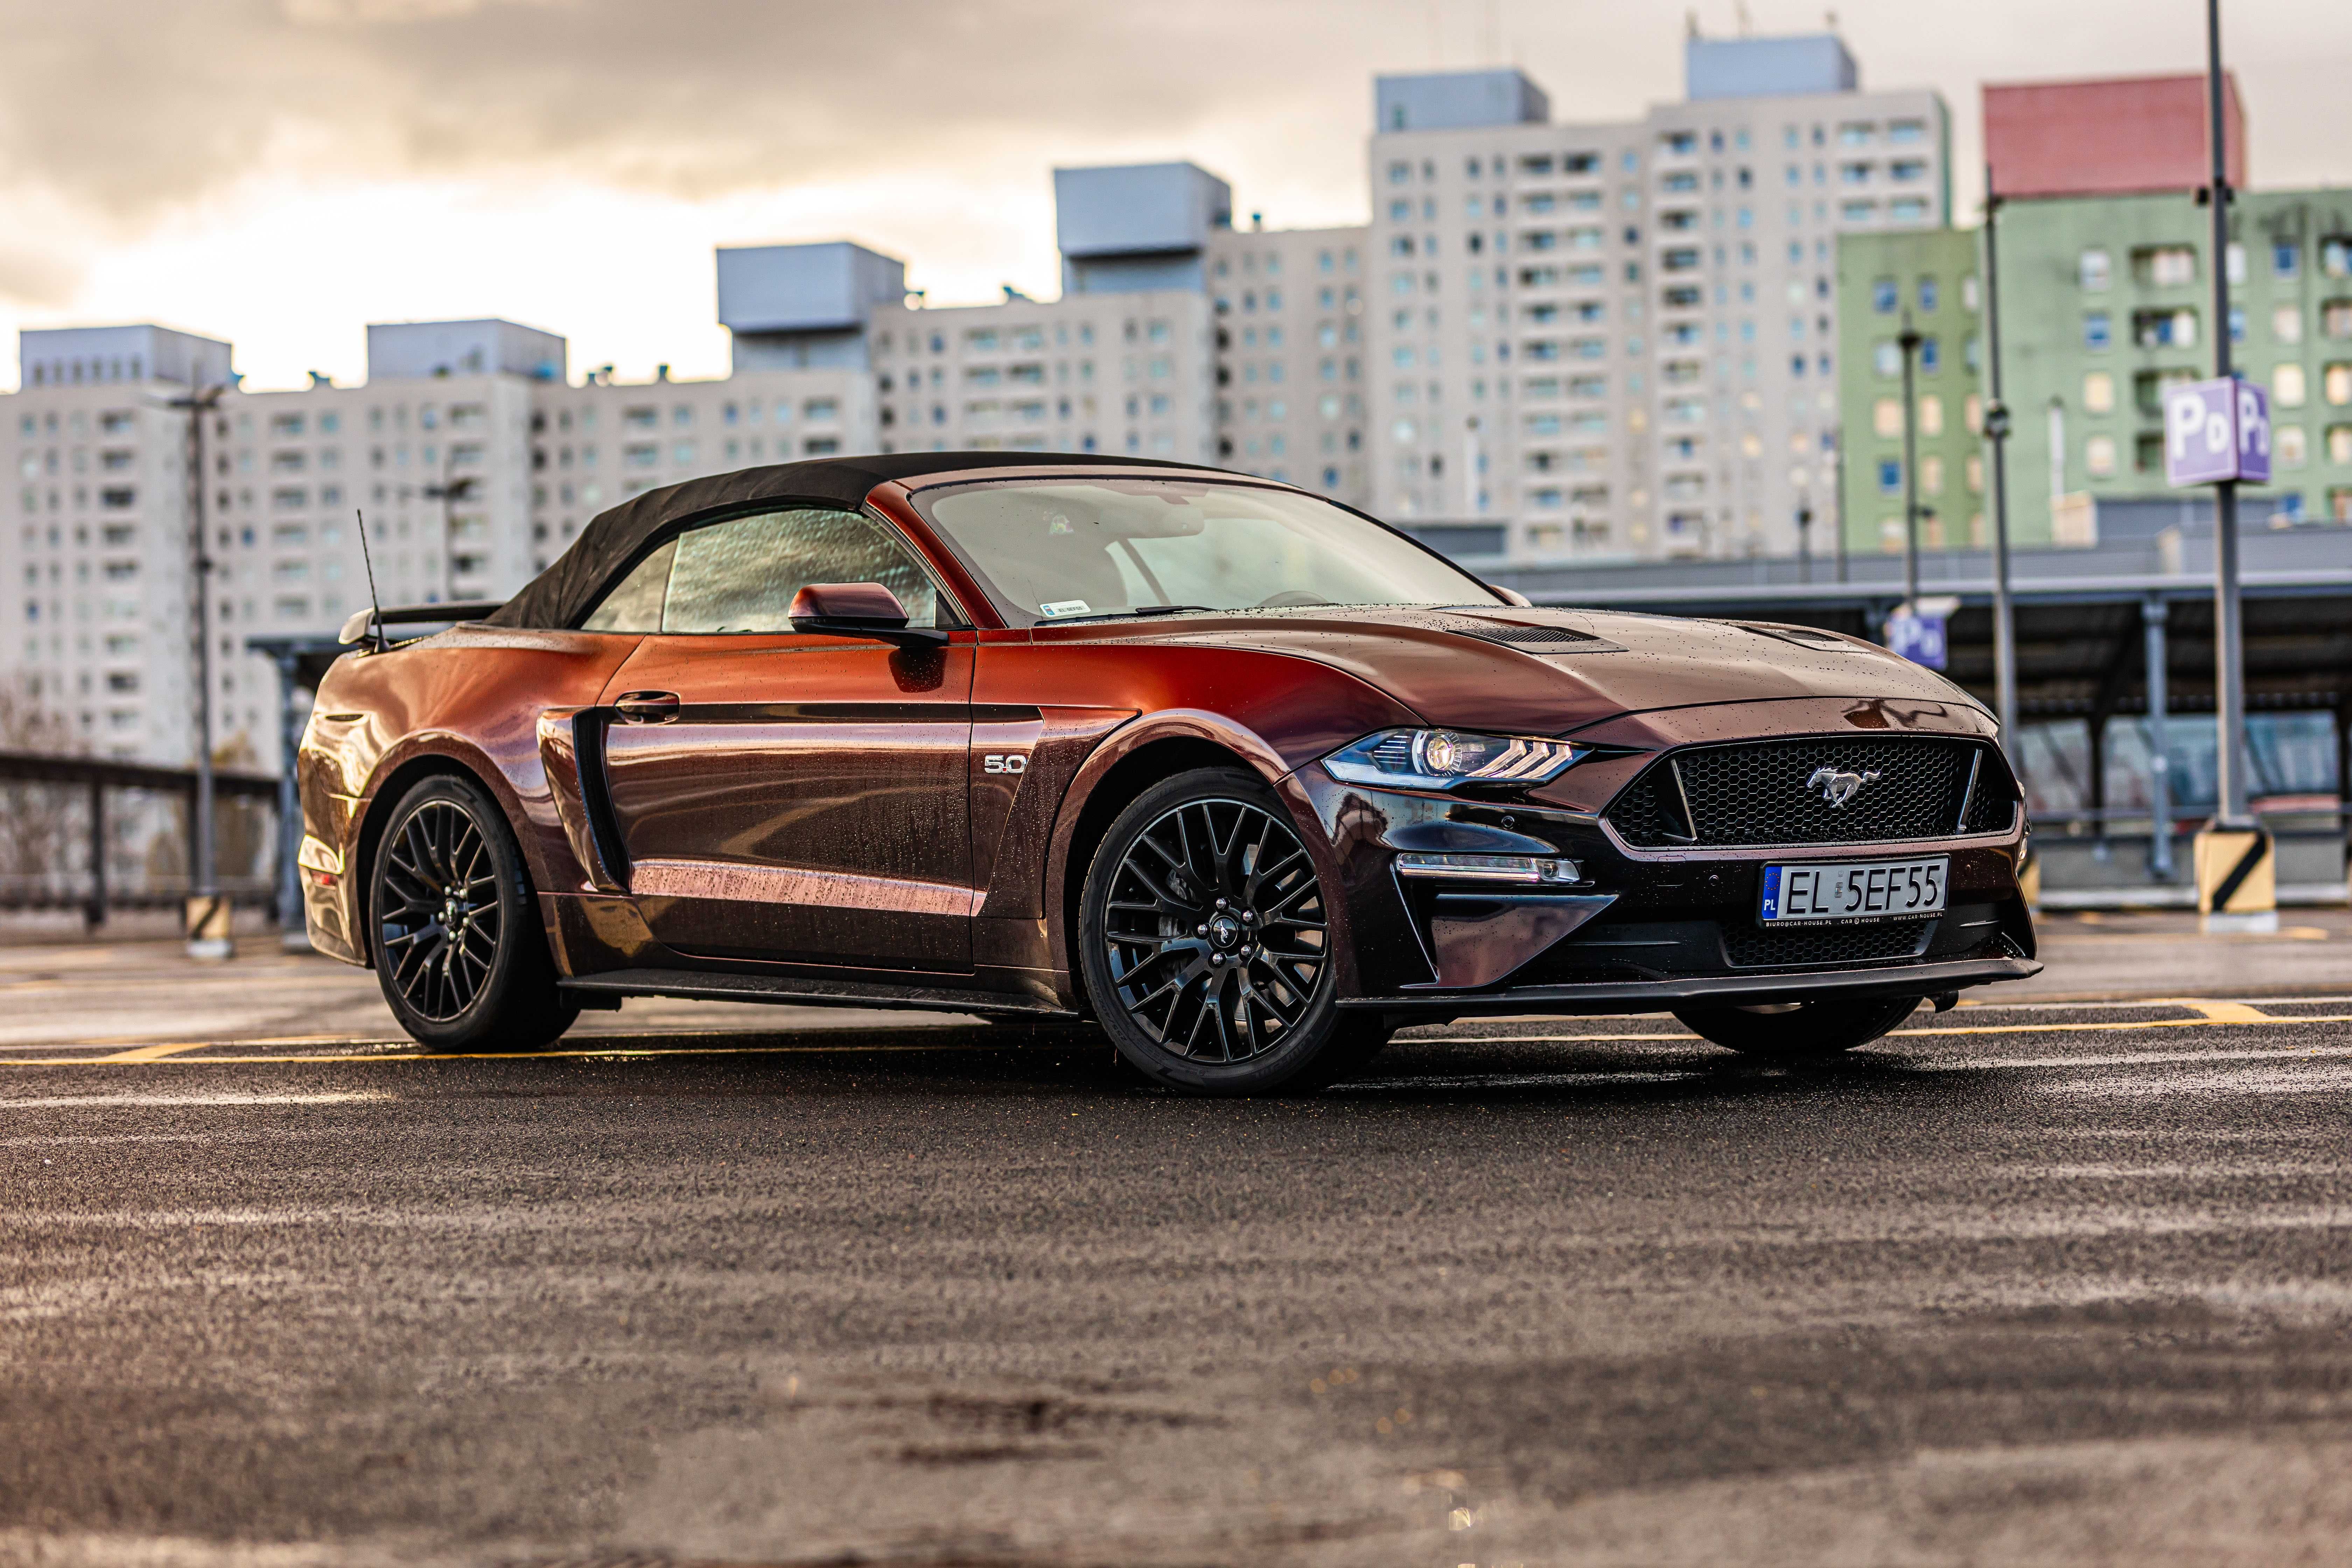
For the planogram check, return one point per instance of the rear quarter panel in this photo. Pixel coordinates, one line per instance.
(468, 698)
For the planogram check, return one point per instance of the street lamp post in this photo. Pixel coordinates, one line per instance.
(2236, 871)
(1996, 432)
(2229, 635)
(1910, 340)
(208, 923)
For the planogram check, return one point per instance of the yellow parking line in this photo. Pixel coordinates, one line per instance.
(2211, 1014)
(172, 1056)
(153, 1053)
(2225, 1012)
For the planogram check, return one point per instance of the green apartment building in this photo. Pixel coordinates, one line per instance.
(2104, 301)
(1926, 278)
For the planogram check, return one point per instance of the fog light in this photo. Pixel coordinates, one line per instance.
(1489, 868)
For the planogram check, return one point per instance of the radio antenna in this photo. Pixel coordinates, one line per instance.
(375, 605)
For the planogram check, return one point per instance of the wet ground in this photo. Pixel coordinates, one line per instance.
(2042, 1281)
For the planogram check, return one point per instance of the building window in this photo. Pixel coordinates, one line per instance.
(2287, 386)
(2339, 443)
(2286, 259)
(2164, 328)
(2165, 266)
(1886, 357)
(2286, 325)
(2099, 456)
(1886, 417)
(1890, 476)
(2335, 256)
(2097, 330)
(2099, 392)
(1885, 296)
(1930, 295)
(2335, 318)
(2336, 383)
(2094, 269)
(1931, 355)
(2289, 443)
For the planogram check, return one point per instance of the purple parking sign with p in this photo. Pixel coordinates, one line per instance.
(2216, 430)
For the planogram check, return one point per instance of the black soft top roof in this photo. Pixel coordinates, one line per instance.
(566, 591)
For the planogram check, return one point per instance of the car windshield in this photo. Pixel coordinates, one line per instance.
(1056, 550)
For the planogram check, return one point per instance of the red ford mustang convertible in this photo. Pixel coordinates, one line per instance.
(1244, 777)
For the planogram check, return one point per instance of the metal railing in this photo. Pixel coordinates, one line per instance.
(89, 834)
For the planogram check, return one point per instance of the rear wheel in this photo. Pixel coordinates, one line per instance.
(453, 927)
(1799, 1031)
(1205, 937)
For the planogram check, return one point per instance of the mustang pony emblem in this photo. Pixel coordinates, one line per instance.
(1838, 788)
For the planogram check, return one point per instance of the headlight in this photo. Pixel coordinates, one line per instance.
(1441, 759)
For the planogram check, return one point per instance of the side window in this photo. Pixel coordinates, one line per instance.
(636, 605)
(741, 575)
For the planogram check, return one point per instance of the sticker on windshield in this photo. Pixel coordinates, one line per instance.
(1062, 607)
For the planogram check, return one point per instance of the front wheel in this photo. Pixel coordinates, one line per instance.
(1205, 941)
(453, 927)
(1799, 1031)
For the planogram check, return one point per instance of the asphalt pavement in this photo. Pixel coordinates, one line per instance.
(2062, 1278)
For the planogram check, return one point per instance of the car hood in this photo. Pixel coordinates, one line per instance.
(1551, 671)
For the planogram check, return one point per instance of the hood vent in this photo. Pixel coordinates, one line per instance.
(1803, 637)
(1541, 641)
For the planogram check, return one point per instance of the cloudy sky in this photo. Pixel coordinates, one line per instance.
(280, 173)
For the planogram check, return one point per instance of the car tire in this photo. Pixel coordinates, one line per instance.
(448, 863)
(1802, 1032)
(1210, 997)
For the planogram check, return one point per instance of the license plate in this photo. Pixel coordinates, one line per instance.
(1847, 892)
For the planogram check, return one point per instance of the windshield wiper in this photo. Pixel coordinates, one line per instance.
(1139, 610)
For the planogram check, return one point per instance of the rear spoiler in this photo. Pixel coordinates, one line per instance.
(368, 625)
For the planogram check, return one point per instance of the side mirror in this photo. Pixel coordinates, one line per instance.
(858, 610)
(1513, 596)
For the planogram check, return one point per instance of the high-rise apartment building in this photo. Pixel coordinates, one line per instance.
(2106, 295)
(471, 457)
(1925, 281)
(1619, 339)
(2105, 300)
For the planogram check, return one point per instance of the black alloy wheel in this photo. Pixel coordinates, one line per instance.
(454, 926)
(1206, 942)
(1800, 1031)
(439, 913)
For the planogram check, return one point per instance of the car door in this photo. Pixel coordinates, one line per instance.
(783, 796)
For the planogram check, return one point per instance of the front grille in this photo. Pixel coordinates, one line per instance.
(1992, 804)
(1751, 947)
(1759, 793)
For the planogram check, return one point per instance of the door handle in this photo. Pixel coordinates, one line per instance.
(646, 707)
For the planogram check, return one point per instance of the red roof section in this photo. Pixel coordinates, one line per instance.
(2110, 138)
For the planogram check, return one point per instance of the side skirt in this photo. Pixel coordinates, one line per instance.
(607, 988)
